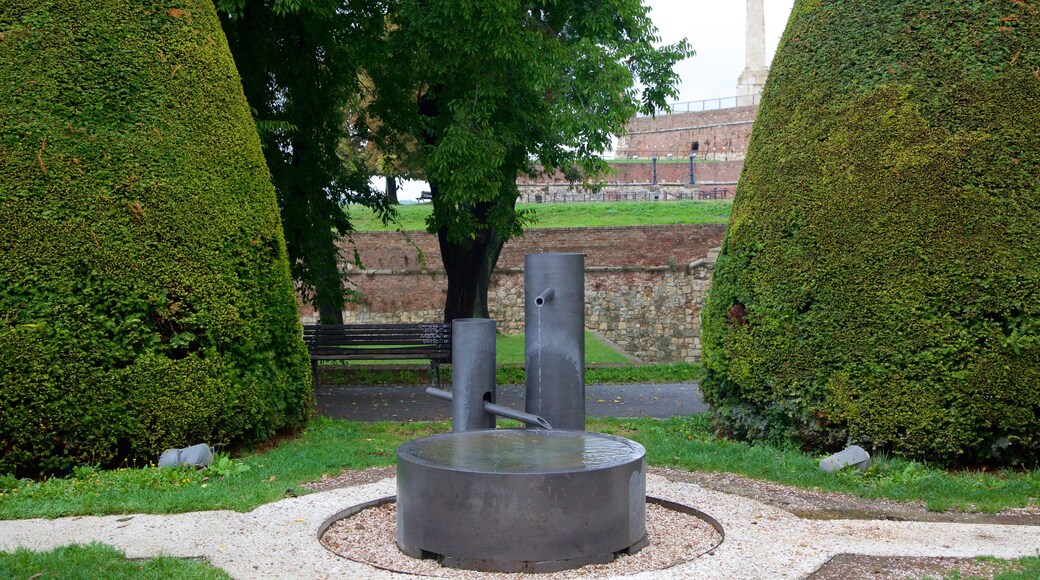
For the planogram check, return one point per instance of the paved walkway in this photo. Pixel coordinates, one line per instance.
(411, 403)
(280, 540)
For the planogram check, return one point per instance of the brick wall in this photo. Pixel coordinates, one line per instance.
(722, 134)
(641, 290)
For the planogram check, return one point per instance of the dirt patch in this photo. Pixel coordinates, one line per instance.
(855, 566)
(820, 505)
(350, 478)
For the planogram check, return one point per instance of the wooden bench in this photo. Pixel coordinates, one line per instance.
(430, 341)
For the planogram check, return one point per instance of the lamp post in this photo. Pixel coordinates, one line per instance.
(693, 180)
(653, 175)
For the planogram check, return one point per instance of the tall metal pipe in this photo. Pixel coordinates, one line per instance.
(472, 373)
(554, 341)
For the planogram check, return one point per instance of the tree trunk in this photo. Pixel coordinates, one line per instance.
(391, 189)
(329, 314)
(468, 265)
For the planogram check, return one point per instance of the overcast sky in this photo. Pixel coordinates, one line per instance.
(715, 29)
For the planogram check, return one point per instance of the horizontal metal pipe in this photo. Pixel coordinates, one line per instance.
(518, 415)
(545, 296)
(494, 409)
(439, 393)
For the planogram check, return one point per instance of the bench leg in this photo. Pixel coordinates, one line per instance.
(435, 373)
(314, 373)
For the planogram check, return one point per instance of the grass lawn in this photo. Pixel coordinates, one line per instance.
(510, 350)
(507, 374)
(328, 446)
(606, 366)
(573, 215)
(100, 562)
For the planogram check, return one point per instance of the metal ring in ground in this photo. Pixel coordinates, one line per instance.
(387, 537)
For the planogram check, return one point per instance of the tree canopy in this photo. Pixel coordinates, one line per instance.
(489, 90)
(879, 282)
(300, 64)
(466, 93)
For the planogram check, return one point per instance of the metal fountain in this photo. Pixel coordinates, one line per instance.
(545, 498)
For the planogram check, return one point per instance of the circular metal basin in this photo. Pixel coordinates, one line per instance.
(521, 500)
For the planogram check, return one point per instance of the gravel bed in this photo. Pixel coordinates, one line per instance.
(370, 535)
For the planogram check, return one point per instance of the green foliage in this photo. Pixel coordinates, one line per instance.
(145, 298)
(325, 446)
(97, 561)
(1021, 569)
(224, 466)
(300, 64)
(487, 88)
(880, 279)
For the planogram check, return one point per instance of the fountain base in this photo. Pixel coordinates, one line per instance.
(521, 500)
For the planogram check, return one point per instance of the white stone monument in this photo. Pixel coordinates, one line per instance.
(750, 82)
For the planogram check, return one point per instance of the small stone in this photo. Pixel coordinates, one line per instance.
(853, 455)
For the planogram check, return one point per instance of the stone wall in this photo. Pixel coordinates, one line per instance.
(653, 313)
(644, 285)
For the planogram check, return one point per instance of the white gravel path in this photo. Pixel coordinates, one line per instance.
(279, 540)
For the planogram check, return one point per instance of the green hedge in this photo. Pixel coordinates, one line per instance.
(145, 298)
(880, 279)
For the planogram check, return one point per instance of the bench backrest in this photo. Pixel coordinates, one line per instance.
(379, 341)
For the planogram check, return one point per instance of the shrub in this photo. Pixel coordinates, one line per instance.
(879, 280)
(145, 298)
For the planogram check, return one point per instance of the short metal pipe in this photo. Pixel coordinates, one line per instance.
(508, 413)
(544, 297)
(472, 373)
(494, 409)
(439, 393)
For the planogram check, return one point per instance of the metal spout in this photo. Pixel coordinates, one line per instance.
(533, 420)
(439, 393)
(544, 297)
(499, 410)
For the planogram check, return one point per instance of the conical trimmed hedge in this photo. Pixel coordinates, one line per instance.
(145, 298)
(880, 279)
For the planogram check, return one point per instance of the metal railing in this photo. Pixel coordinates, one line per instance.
(713, 104)
(632, 192)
